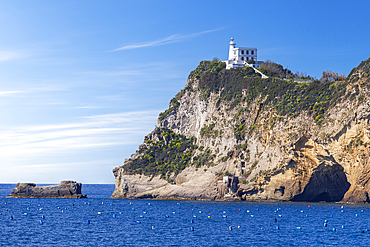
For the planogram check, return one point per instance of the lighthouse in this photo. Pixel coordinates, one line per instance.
(241, 56)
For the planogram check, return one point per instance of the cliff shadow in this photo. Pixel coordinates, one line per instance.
(327, 183)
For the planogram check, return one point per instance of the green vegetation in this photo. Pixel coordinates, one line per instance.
(204, 158)
(207, 131)
(213, 66)
(172, 153)
(285, 96)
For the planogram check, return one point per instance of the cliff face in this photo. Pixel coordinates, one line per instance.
(232, 135)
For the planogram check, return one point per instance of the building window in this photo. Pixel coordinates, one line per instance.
(234, 52)
(246, 52)
(242, 52)
(242, 58)
(252, 52)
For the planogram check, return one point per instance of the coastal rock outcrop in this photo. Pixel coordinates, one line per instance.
(65, 189)
(232, 135)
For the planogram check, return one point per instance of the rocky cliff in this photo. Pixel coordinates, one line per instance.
(230, 134)
(65, 189)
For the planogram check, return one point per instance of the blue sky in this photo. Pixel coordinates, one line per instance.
(82, 82)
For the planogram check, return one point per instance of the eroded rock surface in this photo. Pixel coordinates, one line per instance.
(291, 158)
(65, 189)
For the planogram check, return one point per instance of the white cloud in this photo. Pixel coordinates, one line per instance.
(8, 93)
(88, 132)
(168, 40)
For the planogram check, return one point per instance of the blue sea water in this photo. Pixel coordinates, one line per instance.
(116, 222)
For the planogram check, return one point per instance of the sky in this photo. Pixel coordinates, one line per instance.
(82, 82)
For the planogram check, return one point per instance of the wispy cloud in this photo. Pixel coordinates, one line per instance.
(168, 40)
(7, 93)
(11, 55)
(85, 133)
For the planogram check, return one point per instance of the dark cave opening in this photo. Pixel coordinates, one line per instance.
(327, 183)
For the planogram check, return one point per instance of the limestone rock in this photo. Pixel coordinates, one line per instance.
(65, 189)
(285, 158)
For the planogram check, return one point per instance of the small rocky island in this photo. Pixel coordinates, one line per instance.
(65, 189)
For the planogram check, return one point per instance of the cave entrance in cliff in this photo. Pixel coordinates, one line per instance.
(327, 183)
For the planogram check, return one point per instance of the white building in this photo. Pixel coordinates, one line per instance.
(239, 56)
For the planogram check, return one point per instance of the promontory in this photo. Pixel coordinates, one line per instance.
(231, 134)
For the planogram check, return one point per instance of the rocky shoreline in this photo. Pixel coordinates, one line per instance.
(65, 189)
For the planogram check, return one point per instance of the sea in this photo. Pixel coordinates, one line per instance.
(101, 221)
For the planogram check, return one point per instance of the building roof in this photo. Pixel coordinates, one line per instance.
(245, 48)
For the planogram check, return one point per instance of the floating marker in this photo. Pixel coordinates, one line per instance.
(138, 221)
(28, 209)
(41, 222)
(277, 228)
(248, 211)
(261, 228)
(200, 212)
(11, 217)
(173, 212)
(192, 229)
(99, 212)
(88, 222)
(209, 216)
(356, 215)
(120, 212)
(230, 228)
(224, 216)
(133, 209)
(114, 215)
(141, 216)
(144, 212)
(334, 229)
(224, 212)
(301, 211)
(258, 209)
(194, 216)
(252, 215)
(325, 224)
(238, 226)
(111, 204)
(42, 216)
(326, 221)
(362, 211)
(280, 215)
(192, 221)
(239, 209)
(149, 203)
(153, 227)
(299, 228)
(167, 216)
(332, 207)
(25, 214)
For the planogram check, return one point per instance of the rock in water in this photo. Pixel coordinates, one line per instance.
(65, 189)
